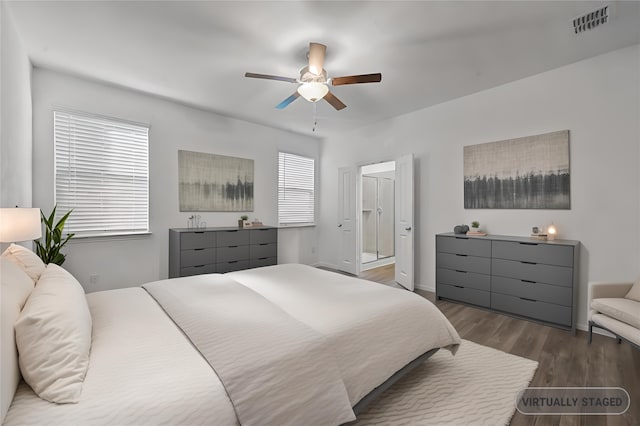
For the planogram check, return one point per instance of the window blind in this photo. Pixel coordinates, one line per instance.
(296, 198)
(102, 173)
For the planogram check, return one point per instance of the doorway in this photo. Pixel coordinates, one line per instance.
(377, 236)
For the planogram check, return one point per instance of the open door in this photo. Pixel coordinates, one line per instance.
(347, 226)
(404, 221)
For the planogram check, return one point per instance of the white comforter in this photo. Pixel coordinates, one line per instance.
(142, 370)
(373, 329)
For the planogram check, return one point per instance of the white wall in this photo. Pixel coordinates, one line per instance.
(15, 138)
(596, 99)
(127, 261)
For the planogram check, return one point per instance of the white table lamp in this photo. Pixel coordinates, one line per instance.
(19, 224)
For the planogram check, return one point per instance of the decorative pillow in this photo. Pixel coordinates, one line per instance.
(15, 289)
(634, 293)
(26, 259)
(53, 334)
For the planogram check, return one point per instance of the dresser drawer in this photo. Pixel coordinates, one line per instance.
(461, 262)
(233, 237)
(228, 254)
(257, 251)
(194, 240)
(555, 294)
(197, 270)
(261, 236)
(548, 274)
(464, 279)
(197, 257)
(234, 265)
(463, 294)
(464, 245)
(263, 261)
(534, 252)
(533, 309)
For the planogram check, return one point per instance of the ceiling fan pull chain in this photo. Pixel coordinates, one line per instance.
(315, 116)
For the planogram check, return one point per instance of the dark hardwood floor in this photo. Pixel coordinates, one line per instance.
(564, 360)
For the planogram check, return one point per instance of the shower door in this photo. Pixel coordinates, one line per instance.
(378, 203)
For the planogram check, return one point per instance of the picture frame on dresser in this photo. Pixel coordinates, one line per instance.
(530, 279)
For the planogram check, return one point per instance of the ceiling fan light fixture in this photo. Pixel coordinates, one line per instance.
(313, 92)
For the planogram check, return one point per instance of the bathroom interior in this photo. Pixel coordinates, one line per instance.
(378, 203)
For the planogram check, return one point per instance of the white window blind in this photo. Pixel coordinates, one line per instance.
(102, 173)
(296, 199)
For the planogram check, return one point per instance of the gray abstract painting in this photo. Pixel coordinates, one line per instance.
(525, 173)
(214, 183)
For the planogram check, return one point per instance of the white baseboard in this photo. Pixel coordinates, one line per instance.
(425, 287)
(325, 265)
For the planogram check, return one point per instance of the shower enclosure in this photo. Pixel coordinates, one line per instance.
(378, 201)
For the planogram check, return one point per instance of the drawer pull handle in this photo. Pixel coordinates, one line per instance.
(462, 255)
(458, 286)
(199, 232)
(233, 246)
(233, 261)
(528, 300)
(199, 266)
(233, 230)
(462, 272)
(263, 244)
(200, 249)
(528, 263)
(529, 244)
(528, 281)
(262, 258)
(462, 238)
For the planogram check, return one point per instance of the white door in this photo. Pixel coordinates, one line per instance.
(347, 228)
(404, 221)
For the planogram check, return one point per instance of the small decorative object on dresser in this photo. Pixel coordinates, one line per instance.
(475, 229)
(242, 221)
(514, 275)
(460, 229)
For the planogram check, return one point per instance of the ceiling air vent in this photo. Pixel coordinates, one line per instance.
(591, 20)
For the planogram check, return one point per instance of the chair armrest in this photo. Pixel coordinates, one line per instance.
(598, 290)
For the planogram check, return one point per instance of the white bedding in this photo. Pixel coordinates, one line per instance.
(141, 371)
(373, 329)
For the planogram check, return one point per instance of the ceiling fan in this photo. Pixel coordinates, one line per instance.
(314, 81)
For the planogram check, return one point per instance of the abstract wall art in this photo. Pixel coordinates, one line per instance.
(214, 183)
(524, 173)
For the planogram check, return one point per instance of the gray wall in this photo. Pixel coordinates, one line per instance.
(127, 261)
(596, 99)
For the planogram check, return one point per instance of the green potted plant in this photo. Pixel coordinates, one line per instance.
(475, 225)
(49, 250)
(242, 220)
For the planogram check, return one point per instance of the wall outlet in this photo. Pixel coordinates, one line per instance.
(93, 279)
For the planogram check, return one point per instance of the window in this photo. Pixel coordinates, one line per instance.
(102, 173)
(296, 204)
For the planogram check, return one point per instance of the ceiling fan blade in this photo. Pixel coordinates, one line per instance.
(355, 79)
(270, 77)
(286, 102)
(335, 102)
(317, 52)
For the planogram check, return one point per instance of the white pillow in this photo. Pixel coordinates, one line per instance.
(15, 289)
(634, 293)
(53, 334)
(26, 259)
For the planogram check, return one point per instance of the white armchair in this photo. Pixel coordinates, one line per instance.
(611, 311)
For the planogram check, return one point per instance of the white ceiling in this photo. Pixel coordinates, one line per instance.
(428, 52)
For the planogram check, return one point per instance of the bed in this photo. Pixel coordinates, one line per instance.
(158, 352)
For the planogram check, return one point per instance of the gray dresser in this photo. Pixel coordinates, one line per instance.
(521, 276)
(209, 250)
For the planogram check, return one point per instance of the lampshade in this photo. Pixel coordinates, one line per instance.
(313, 92)
(551, 232)
(19, 224)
